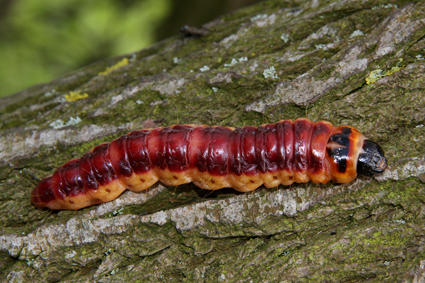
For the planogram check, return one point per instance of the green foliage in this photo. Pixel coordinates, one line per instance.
(41, 40)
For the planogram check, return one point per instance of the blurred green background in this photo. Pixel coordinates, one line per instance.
(43, 40)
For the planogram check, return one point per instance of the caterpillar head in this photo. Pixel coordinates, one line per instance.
(371, 159)
(349, 153)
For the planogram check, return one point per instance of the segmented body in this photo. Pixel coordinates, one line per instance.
(211, 157)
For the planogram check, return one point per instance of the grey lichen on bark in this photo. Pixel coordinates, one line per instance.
(272, 61)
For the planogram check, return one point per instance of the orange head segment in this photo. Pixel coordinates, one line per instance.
(349, 153)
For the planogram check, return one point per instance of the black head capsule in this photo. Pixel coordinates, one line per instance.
(371, 159)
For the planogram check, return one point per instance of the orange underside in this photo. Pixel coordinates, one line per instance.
(141, 182)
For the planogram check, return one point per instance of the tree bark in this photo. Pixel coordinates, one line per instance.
(359, 63)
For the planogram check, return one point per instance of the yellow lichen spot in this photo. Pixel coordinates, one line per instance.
(377, 74)
(393, 70)
(374, 76)
(118, 65)
(75, 95)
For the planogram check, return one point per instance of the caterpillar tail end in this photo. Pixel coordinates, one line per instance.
(371, 159)
(43, 193)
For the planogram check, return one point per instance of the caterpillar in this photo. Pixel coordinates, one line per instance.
(212, 158)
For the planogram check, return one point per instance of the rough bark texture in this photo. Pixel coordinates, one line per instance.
(323, 52)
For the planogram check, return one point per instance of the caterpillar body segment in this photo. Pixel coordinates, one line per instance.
(212, 158)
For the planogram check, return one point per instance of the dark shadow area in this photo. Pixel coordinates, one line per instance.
(196, 13)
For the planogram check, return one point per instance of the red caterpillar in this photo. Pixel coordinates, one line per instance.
(212, 158)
